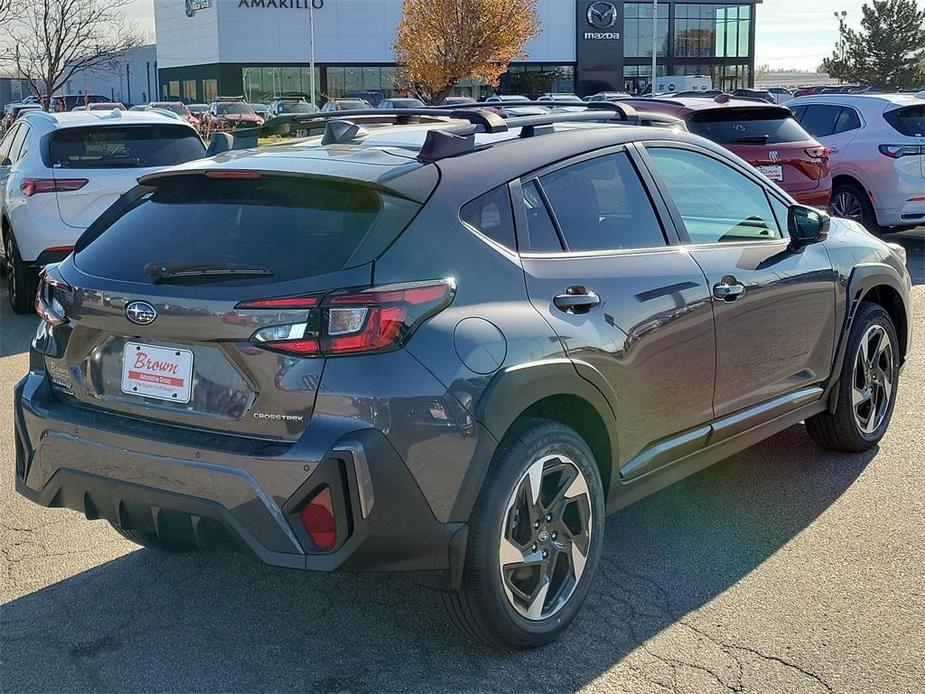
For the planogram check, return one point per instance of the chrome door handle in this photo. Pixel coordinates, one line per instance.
(576, 299)
(729, 289)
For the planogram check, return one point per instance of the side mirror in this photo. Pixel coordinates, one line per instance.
(806, 226)
(221, 142)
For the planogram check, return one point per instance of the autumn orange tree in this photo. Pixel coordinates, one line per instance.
(442, 41)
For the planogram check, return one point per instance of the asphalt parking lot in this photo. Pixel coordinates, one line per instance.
(782, 569)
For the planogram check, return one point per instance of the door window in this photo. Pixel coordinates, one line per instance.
(17, 143)
(23, 139)
(717, 203)
(541, 233)
(847, 120)
(819, 119)
(601, 205)
(7, 142)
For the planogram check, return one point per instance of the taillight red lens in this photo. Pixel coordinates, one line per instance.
(819, 152)
(233, 174)
(348, 322)
(34, 186)
(317, 518)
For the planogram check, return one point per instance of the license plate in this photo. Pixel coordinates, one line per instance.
(775, 173)
(157, 372)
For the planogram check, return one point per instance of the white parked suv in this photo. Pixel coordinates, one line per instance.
(877, 158)
(60, 171)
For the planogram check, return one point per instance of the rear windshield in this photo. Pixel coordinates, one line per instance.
(747, 126)
(233, 109)
(909, 120)
(136, 146)
(293, 226)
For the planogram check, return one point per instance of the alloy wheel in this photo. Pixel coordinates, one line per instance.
(545, 537)
(872, 385)
(846, 204)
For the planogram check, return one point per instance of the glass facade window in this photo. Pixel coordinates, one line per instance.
(209, 90)
(534, 80)
(189, 91)
(711, 31)
(262, 84)
(350, 79)
(637, 30)
(637, 77)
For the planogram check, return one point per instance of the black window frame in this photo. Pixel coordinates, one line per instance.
(11, 137)
(661, 211)
(24, 131)
(771, 193)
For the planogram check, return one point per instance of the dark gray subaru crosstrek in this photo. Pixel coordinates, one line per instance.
(447, 349)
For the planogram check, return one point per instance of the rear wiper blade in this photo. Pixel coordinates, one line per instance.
(757, 139)
(159, 272)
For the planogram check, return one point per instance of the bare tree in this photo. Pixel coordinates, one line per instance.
(53, 40)
(5, 7)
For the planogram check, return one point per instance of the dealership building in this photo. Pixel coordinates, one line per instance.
(260, 48)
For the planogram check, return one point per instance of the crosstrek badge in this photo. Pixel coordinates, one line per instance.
(164, 373)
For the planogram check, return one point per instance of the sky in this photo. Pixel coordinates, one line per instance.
(794, 34)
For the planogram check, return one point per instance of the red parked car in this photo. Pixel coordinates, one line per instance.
(228, 113)
(765, 135)
(177, 107)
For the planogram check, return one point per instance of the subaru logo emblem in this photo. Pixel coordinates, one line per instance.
(602, 15)
(140, 312)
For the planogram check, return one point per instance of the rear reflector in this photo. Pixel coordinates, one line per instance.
(317, 518)
(291, 303)
(34, 186)
(349, 321)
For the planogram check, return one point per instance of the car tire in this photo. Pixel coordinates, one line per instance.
(21, 279)
(850, 201)
(867, 386)
(557, 531)
(151, 541)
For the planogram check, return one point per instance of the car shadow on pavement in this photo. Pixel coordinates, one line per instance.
(217, 622)
(15, 331)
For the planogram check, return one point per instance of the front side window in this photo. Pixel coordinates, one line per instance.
(601, 205)
(847, 121)
(717, 203)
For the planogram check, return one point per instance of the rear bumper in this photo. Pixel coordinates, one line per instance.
(227, 495)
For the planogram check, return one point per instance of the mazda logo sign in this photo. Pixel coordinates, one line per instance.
(602, 15)
(140, 312)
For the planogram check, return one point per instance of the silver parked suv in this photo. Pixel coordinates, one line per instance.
(447, 347)
(876, 155)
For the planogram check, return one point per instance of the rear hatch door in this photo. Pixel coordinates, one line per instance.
(110, 157)
(768, 138)
(910, 122)
(148, 342)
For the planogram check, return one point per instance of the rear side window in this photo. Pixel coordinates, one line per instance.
(123, 146)
(293, 226)
(601, 205)
(747, 126)
(16, 146)
(7, 143)
(492, 215)
(909, 121)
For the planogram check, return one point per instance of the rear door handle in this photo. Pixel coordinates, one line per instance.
(576, 299)
(728, 289)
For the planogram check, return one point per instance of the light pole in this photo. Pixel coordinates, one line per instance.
(654, 42)
(840, 16)
(311, 43)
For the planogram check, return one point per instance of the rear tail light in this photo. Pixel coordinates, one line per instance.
(34, 186)
(818, 152)
(377, 319)
(317, 518)
(898, 151)
(47, 304)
